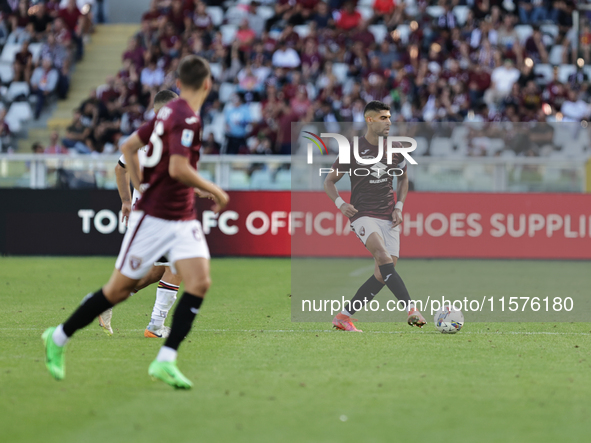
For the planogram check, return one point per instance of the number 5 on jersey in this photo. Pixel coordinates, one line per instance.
(153, 159)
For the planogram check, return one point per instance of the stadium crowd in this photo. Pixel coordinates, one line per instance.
(275, 63)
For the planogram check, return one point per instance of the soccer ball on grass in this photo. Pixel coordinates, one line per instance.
(448, 320)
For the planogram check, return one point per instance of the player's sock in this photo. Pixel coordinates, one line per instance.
(165, 298)
(367, 291)
(59, 336)
(395, 283)
(184, 314)
(90, 309)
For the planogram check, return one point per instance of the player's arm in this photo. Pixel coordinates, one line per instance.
(331, 190)
(132, 162)
(180, 169)
(122, 179)
(401, 193)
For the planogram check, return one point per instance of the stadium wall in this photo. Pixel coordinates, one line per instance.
(258, 223)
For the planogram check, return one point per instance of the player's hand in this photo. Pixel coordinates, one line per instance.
(221, 199)
(348, 210)
(203, 194)
(396, 218)
(125, 211)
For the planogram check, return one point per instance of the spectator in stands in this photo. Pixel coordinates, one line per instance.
(210, 146)
(23, 64)
(43, 84)
(40, 20)
(152, 75)
(575, 109)
(4, 131)
(534, 47)
(37, 148)
(349, 17)
(285, 57)
(75, 22)
(55, 147)
(78, 135)
(237, 117)
(502, 79)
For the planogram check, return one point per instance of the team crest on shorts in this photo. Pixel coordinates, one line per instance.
(135, 262)
(362, 231)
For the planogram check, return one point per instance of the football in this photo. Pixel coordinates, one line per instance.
(448, 320)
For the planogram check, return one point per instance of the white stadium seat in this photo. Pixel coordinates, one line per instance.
(379, 32)
(545, 71)
(441, 147)
(404, 32)
(256, 111)
(17, 88)
(216, 13)
(216, 70)
(302, 31)
(35, 49)
(523, 32)
(226, 91)
(261, 180)
(239, 180)
(9, 52)
(461, 13)
(265, 12)
(555, 56)
(228, 33)
(365, 11)
(435, 11)
(6, 73)
(340, 71)
(283, 179)
(21, 111)
(564, 71)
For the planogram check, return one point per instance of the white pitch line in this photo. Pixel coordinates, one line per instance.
(289, 331)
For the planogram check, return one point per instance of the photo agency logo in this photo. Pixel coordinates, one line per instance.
(395, 147)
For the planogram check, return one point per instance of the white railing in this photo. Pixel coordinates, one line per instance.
(464, 174)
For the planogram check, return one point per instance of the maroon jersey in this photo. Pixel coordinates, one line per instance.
(372, 194)
(176, 130)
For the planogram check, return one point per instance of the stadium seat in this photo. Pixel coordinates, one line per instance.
(461, 13)
(555, 56)
(216, 70)
(226, 91)
(379, 32)
(283, 179)
(544, 72)
(217, 15)
(35, 49)
(9, 52)
(228, 33)
(239, 180)
(564, 71)
(365, 11)
(265, 12)
(340, 70)
(21, 111)
(495, 145)
(218, 127)
(14, 123)
(235, 14)
(256, 111)
(435, 11)
(508, 153)
(562, 133)
(411, 8)
(404, 32)
(261, 179)
(207, 175)
(523, 32)
(302, 30)
(441, 147)
(587, 70)
(366, 3)
(6, 73)
(17, 88)
(550, 29)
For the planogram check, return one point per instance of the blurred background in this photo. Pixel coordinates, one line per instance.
(78, 77)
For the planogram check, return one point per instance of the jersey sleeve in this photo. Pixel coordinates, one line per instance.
(122, 161)
(145, 131)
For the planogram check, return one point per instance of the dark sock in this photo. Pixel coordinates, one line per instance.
(90, 309)
(394, 282)
(184, 314)
(365, 294)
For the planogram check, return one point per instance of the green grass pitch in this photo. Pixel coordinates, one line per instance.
(261, 378)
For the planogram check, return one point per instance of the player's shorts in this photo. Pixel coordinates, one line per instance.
(162, 261)
(150, 238)
(365, 226)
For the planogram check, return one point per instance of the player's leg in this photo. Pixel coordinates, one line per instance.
(363, 228)
(166, 294)
(115, 291)
(195, 275)
(386, 249)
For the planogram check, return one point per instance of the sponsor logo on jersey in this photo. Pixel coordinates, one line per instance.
(191, 120)
(187, 138)
(135, 262)
(362, 231)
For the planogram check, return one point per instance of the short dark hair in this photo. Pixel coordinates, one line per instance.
(375, 106)
(164, 96)
(193, 70)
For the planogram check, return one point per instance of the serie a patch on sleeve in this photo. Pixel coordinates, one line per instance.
(187, 138)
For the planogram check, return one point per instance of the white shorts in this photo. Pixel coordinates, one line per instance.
(365, 226)
(149, 238)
